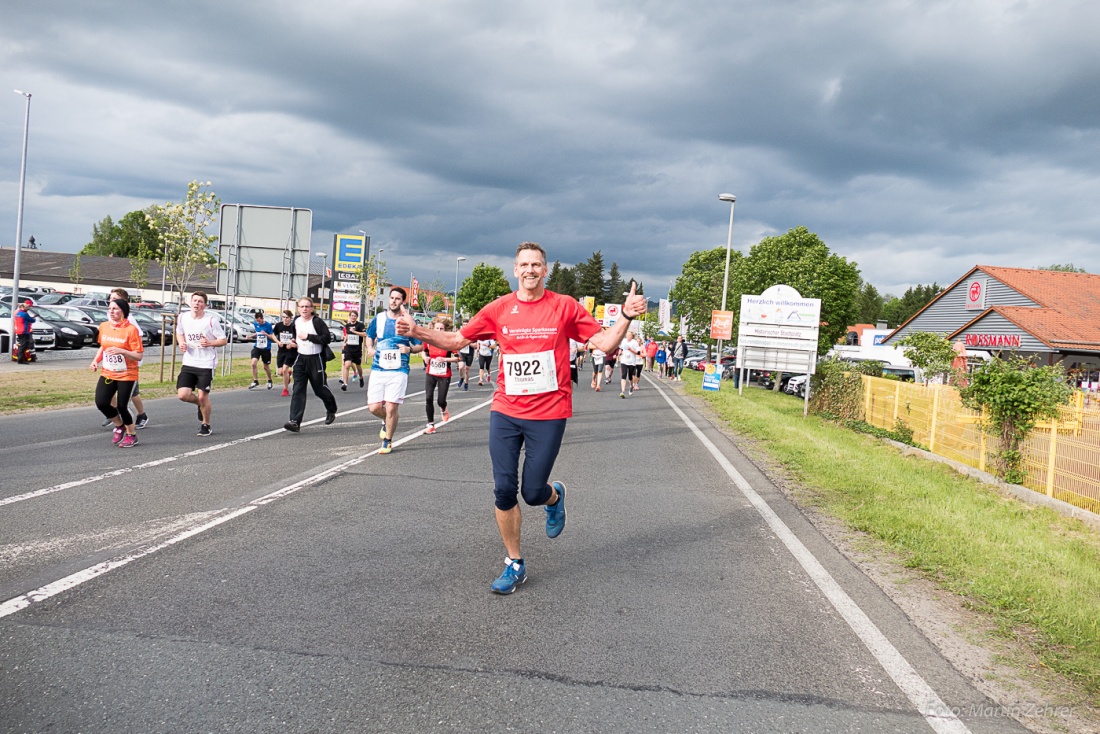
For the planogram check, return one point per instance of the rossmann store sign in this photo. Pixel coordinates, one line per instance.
(993, 341)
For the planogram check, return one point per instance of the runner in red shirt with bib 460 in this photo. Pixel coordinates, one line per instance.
(534, 394)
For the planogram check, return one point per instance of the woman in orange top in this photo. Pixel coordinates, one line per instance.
(120, 350)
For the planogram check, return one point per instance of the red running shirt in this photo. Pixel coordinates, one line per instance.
(531, 327)
(438, 369)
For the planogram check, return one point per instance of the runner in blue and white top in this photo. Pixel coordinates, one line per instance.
(389, 372)
(261, 350)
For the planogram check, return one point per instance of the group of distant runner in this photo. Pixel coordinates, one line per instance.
(540, 336)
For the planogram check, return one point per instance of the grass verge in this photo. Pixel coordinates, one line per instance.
(1035, 573)
(27, 391)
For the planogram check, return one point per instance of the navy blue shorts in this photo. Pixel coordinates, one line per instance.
(541, 441)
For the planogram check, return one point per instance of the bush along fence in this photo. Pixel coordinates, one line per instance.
(1059, 455)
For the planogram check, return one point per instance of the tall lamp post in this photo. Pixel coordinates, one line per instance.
(324, 275)
(726, 278)
(19, 225)
(454, 303)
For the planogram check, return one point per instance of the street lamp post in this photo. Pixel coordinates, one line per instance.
(324, 274)
(726, 278)
(454, 303)
(19, 226)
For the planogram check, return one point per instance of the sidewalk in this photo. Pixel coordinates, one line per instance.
(51, 361)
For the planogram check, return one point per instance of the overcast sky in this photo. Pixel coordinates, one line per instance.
(916, 139)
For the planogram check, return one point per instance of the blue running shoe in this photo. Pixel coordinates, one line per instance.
(555, 514)
(515, 573)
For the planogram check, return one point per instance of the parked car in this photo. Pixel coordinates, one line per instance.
(43, 334)
(694, 357)
(905, 374)
(796, 385)
(725, 361)
(68, 334)
(55, 299)
(151, 326)
(337, 329)
(243, 330)
(95, 301)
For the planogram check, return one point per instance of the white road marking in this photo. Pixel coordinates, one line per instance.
(15, 604)
(166, 460)
(135, 534)
(916, 689)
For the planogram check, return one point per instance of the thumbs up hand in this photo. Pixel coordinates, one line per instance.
(405, 322)
(634, 305)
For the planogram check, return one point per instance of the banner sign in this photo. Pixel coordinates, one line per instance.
(712, 378)
(779, 331)
(611, 313)
(721, 324)
(350, 252)
(664, 314)
(415, 292)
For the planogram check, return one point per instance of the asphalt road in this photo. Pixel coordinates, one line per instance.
(261, 581)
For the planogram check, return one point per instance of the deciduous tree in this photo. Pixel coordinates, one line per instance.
(698, 290)
(801, 260)
(1014, 395)
(184, 244)
(929, 352)
(485, 284)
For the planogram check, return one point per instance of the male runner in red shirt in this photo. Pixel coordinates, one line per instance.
(534, 395)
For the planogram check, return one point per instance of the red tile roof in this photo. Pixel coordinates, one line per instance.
(1068, 316)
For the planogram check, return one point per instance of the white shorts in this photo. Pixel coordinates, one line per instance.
(387, 386)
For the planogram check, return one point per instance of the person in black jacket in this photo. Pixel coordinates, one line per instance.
(312, 337)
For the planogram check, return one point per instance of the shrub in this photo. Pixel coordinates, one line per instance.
(835, 390)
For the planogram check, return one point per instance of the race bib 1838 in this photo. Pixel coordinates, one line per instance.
(114, 362)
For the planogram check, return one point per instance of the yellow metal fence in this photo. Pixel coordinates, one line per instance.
(1061, 457)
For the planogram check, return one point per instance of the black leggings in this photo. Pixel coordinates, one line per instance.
(105, 389)
(430, 383)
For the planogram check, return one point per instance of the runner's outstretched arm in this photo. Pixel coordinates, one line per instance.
(452, 341)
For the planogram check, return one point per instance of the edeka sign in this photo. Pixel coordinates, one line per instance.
(1003, 341)
(721, 324)
(351, 250)
(712, 378)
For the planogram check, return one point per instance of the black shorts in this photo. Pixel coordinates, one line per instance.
(286, 357)
(353, 355)
(195, 378)
(261, 354)
(626, 371)
(467, 357)
(485, 362)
